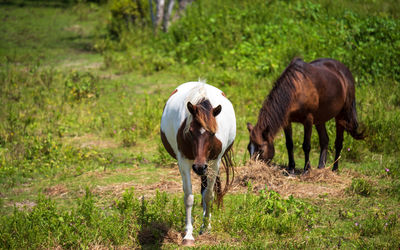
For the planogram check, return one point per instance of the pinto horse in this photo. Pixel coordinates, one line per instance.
(311, 94)
(198, 128)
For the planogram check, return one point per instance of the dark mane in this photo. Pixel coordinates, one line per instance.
(275, 107)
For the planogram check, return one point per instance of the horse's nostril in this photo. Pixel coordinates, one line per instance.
(205, 166)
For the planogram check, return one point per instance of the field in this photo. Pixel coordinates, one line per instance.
(81, 96)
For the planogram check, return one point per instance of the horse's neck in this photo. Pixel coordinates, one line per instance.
(272, 117)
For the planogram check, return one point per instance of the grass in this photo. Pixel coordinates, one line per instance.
(81, 163)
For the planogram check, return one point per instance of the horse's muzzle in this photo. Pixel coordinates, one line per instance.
(200, 169)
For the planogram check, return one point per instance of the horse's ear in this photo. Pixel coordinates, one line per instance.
(217, 110)
(191, 108)
(249, 127)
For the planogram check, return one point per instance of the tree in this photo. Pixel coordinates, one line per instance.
(164, 11)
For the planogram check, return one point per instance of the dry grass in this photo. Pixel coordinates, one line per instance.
(170, 183)
(315, 183)
(57, 190)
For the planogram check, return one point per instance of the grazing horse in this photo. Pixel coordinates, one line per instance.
(311, 94)
(198, 127)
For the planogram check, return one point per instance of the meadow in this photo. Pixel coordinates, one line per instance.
(81, 96)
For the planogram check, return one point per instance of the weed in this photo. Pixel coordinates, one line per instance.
(360, 186)
(79, 86)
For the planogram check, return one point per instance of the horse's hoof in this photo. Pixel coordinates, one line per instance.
(188, 243)
(289, 172)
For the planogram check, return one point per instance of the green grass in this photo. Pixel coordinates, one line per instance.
(80, 113)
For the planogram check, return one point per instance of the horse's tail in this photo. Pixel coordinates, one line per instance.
(227, 162)
(351, 123)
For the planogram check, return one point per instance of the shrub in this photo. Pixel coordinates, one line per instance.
(80, 86)
(127, 13)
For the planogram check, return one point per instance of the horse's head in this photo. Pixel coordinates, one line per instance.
(201, 130)
(261, 145)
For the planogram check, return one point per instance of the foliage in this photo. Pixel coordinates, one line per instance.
(81, 85)
(87, 225)
(125, 13)
(375, 223)
(251, 215)
(262, 38)
(361, 187)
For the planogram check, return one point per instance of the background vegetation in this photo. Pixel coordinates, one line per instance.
(82, 91)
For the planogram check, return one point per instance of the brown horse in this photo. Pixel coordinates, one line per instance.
(307, 93)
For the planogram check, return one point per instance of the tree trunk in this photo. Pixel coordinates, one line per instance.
(159, 12)
(167, 15)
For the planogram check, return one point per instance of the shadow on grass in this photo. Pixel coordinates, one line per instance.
(154, 235)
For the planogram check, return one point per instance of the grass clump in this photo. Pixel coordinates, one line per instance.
(361, 187)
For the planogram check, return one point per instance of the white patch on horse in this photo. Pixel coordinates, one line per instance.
(202, 130)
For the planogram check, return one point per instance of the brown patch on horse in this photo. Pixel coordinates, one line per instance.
(186, 144)
(167, 145)
(173, 92)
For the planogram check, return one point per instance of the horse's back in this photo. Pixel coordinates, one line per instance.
(336, 67)
(325, 92)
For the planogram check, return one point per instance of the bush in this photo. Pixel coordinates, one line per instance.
(126, 14)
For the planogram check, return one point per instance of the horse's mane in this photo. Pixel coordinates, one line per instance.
(199, 97)
(274, 110)
(205, 117)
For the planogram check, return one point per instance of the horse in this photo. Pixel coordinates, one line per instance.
(310, 94)
(198, 128)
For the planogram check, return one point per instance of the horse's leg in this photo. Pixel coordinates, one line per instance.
(208, 195)
(307, 142)
(184, 168)
(323, 144)
(338, 144)
(203, 186)
(289, 146)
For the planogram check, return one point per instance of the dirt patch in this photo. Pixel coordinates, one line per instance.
(25, 205)
(57, 190)
(171, 182)
(172, 237)
(92, 141)
(314, 184)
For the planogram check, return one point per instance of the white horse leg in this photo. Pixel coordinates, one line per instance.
(208, 196)
(184, 168)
